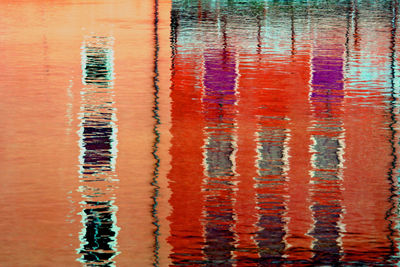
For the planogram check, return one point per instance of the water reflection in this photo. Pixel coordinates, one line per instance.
(393, 173)
(185, 177)
(282, 118)
(271, 187)
(98, 152)
(219, 101)
(258, 80)
(327, 148)
(156, 116)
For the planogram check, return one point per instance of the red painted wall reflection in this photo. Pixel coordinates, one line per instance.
(286, 139)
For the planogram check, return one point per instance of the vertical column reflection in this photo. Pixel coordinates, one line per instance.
(219, 154)
(327, 153)
(271, 189)
(98, 141)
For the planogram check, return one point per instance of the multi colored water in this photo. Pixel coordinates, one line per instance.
(199, 133)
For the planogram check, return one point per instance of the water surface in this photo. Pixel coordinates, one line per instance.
(199, 133)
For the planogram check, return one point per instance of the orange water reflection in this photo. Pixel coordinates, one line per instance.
(42, 94)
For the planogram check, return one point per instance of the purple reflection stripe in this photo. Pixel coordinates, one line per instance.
(220, 76)
(224, 92)
(219, 101)
(327, 80)
(321, 95)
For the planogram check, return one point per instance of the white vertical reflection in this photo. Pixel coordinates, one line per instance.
(98, 153)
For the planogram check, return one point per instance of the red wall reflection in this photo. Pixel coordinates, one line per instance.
(299, 187)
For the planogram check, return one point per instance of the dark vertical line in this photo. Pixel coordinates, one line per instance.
(259, 19)
(293, 32)
(349, 11)
(225, 48)
(157, 122)
(356, 30)
(224, 35)
(258, 36)
(199, 11)
(174, 35)
(393, 100)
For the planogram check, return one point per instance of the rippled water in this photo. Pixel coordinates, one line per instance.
(199, 133)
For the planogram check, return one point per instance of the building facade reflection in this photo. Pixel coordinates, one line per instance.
(219, 183)
(327, 148)
(262, 104)
(98, 153)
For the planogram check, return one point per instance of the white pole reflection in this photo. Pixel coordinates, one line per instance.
(98, 153)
